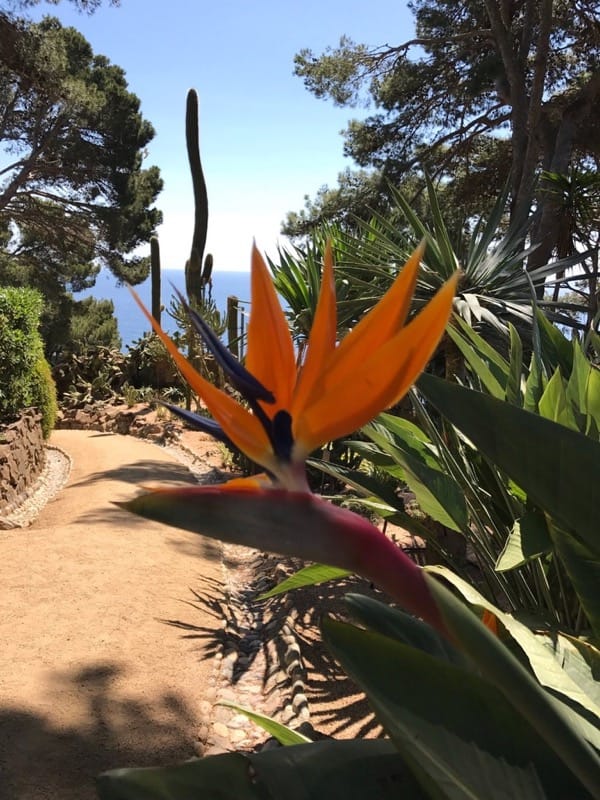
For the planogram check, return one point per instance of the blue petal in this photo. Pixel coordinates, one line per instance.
(239, 377)
(204, 424)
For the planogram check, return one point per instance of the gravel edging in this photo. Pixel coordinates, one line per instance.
(50, 481)
(259, 665)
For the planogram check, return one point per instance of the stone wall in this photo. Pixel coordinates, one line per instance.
(138, 420)
(22, 458)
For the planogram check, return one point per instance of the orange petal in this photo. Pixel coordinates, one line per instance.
(321, 341)
(379, 325)
(490, 621)
(244, 429)
(252, 483)
(270, 354)
(379, 382)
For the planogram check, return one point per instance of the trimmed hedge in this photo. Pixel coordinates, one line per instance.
(25, 378)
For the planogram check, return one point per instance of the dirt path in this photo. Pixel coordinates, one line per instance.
(90, 675)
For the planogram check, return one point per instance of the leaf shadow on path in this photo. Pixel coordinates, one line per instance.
(41, 757)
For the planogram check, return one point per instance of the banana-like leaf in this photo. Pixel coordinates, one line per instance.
(557, 467)
(556, 349)
(513, 382)
(528, 539)
(583, 391)
(456, 731)
(521, 691)
(489, 366)
(365, 485)
(544, 661)
(308, 576)
(284, 735)
(554, 403)
(437, 493)
(402, 627)
(351, 770)
(534, 385)
(583, 568)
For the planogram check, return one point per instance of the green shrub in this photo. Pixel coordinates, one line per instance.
(93, 324)
(44, 390)
(20, 349)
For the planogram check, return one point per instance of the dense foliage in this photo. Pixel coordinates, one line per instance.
(74, 195)
(25, 378)
(483, 89)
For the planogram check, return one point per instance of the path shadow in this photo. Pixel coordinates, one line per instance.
(151, 473)
(39, 759)
(142, 472)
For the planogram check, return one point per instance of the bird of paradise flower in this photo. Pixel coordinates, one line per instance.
(294, 409)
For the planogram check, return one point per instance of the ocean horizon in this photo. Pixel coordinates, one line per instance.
(132, 323)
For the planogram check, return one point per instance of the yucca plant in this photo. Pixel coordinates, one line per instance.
(494, 288)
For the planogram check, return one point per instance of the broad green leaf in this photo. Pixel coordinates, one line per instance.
(589, 675)
(500, 667)
(485, 362)
(534, 385)
(545, 665)
(554, 405)
(583, 568)
(402, 627)
(403, 428)
(459, 732)
(557, 467)
(205, 778)
(593, 404)
(556, 350)
(284, 735)
(576, 386)
(308, 576)
(594, 340)
(395, 439)
(528, 539)
(437, 493)
(581, 661)
(351, 770)
(583, 390)
(513, 381)
(366, 485)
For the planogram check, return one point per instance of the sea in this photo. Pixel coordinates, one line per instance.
(132, 323)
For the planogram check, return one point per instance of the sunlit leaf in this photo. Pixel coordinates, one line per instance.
(463, 738)
(543, 659)
(382, 618)
(308, 576)
(528, 539)
(557, 467)
(284, 735)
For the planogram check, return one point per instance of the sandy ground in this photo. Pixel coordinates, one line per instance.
(91, 677)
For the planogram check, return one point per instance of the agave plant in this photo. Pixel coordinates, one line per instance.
(494, 288)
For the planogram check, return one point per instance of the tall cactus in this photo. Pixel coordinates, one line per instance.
(155, 276)
(197, 277)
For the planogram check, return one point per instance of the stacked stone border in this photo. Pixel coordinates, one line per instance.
(22, 458)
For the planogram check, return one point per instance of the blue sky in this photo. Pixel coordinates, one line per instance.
(266, 142)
